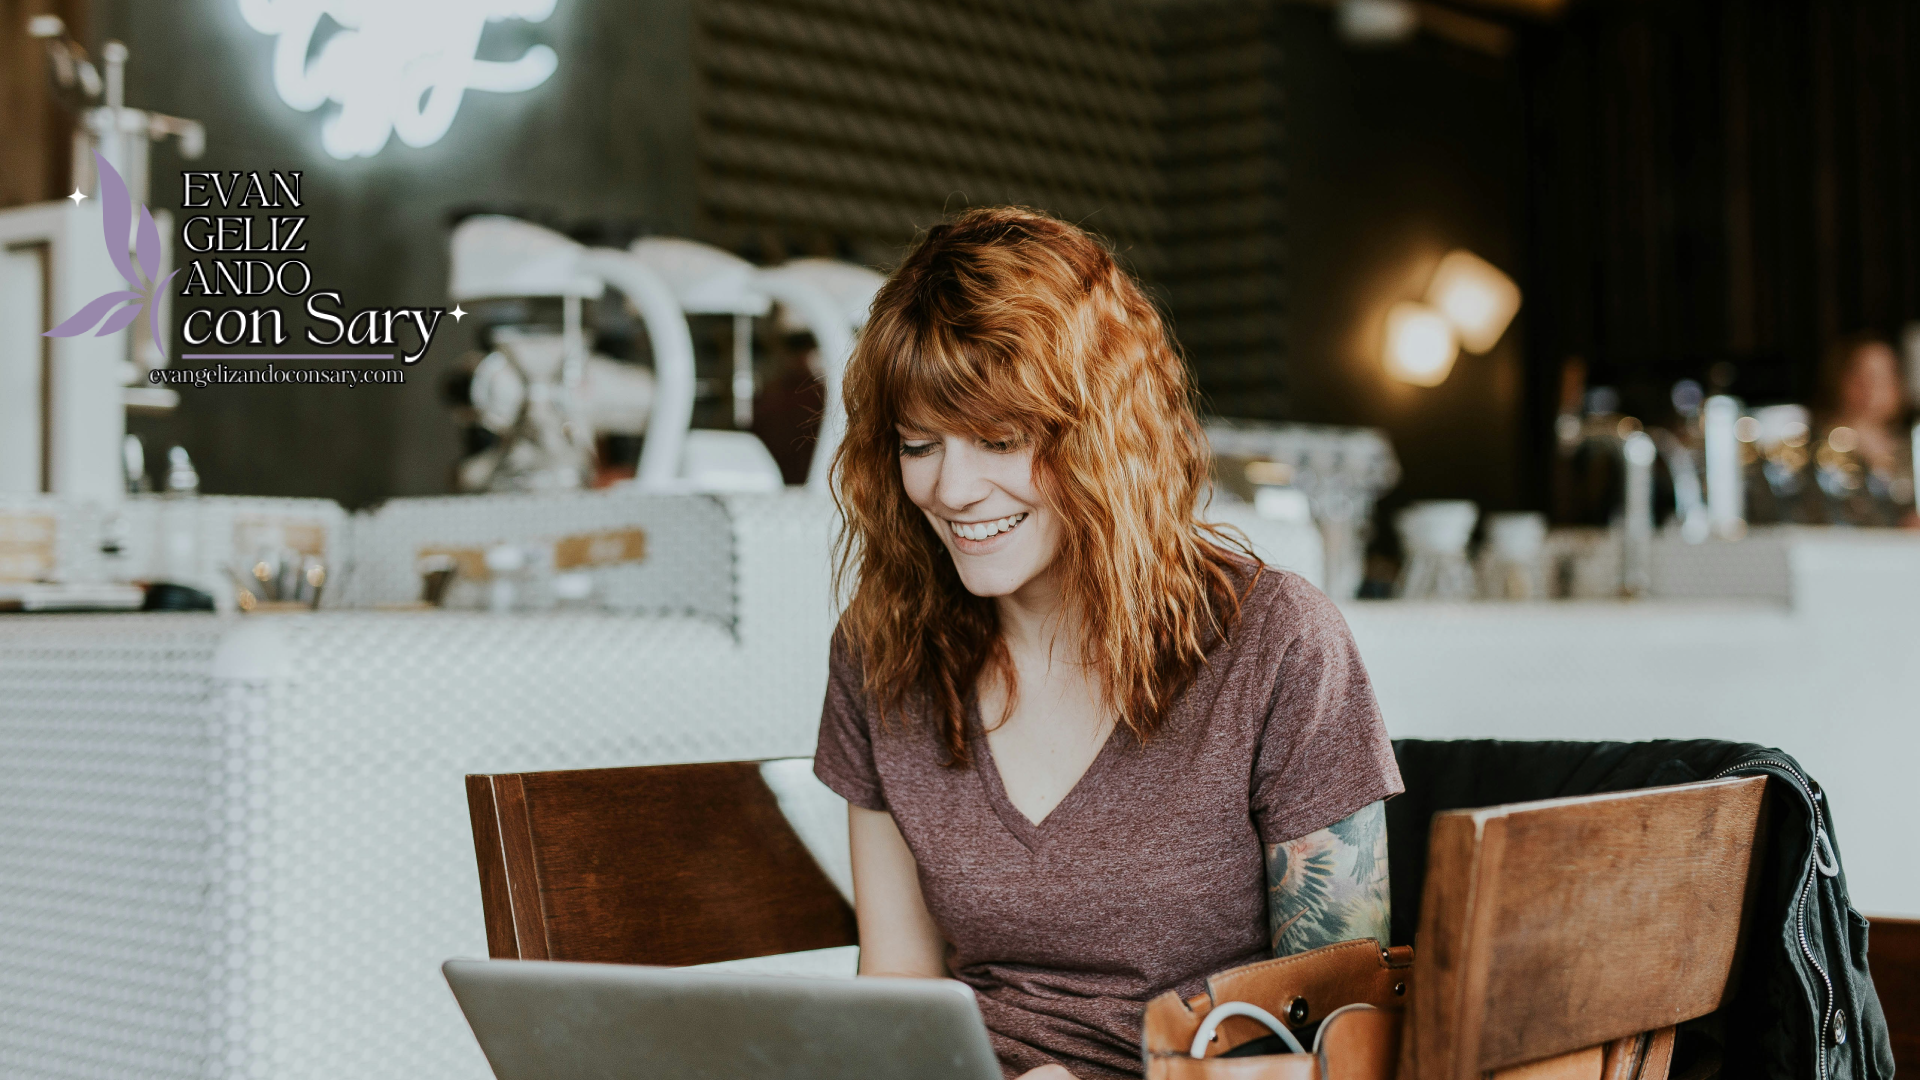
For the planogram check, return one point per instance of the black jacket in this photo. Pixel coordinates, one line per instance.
(1805, 1007)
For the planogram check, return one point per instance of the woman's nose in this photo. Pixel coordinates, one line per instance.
(963, 481)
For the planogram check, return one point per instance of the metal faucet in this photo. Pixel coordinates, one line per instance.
(1638, 451)
(1636, 552)
(99, 103)
(1690, 506)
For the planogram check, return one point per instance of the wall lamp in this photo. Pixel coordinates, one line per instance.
(1469, 304)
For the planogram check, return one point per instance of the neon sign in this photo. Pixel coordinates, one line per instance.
(394, 67)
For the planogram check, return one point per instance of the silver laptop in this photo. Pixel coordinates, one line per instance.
(543, 1020)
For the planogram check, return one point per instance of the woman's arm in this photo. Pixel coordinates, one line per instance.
(897, 935)
(1330, 885)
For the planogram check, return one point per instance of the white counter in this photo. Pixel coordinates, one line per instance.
(239, 846)
(1831, 677)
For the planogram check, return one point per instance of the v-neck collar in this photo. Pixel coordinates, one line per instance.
(1031, 834)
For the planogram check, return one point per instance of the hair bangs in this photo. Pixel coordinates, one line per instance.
(966, 387)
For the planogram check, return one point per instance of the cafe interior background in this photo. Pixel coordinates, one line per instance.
(1507, 316)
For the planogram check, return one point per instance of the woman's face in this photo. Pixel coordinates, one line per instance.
(983, 503)
(1870, 392)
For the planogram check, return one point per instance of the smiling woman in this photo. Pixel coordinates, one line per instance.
(1093, 750)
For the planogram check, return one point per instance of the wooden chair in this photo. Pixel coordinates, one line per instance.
(1565, 938)
(671, 865)
(1894, 955)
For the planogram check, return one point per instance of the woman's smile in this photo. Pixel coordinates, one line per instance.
(981, 537)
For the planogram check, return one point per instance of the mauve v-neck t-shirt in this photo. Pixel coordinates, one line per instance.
(1149, 875)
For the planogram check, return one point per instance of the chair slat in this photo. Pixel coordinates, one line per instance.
(1552, 926)
(675, 864)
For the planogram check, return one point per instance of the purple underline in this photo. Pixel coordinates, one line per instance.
(287, 356)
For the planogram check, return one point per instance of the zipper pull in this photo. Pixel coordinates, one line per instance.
(1824, 856)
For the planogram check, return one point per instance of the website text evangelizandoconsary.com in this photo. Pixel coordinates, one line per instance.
(222, 375)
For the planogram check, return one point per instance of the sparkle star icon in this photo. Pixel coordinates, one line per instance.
(457, 313)
(76, 196)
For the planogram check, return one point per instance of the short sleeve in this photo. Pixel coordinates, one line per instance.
(1324, 751)
(843, 759)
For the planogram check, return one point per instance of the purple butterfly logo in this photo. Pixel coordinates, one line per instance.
(116, 207)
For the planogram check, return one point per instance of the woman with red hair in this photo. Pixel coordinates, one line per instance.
(1093, 750)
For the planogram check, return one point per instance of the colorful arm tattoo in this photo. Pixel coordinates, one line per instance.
(1330, 885)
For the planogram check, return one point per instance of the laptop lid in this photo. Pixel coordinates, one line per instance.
(546, 1020)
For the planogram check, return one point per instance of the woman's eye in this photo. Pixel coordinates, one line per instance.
(914, 449)
(1001, 446)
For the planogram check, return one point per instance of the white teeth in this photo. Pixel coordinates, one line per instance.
(981, 530)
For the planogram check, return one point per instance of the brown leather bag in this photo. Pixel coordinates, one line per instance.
(1358, 993)
(1356, 990)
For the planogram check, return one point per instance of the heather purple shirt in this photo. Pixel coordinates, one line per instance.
(1149, 875)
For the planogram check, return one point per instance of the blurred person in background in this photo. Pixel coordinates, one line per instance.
(786, 411)
(1863, 448)
(1093, 750)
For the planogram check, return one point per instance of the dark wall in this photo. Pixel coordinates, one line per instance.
(607, 140)
(1723, 183)
(845, 128)
(1397, 156)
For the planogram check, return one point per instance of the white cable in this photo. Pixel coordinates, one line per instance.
(1240, 1008)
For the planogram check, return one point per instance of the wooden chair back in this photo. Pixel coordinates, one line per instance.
(670, 865)
(1553, 927)
(1894, 956)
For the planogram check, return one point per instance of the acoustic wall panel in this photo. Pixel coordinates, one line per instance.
(1222, 245)
(841, 127)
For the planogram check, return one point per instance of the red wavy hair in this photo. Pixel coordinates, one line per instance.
(1005, 323)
